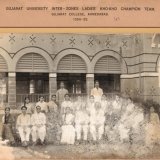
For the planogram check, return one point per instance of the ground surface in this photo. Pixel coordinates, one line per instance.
(101, 151)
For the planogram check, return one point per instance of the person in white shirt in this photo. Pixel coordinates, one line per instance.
(117, 105)
(66, 103)
(38, 122)
(90, 105)
(68, 130)
(78, 103)
(23, 125)
(81, 124)
(42, 104)
(126, 121)
(105, 104)
(97, 119)
(60, 94)
(97, 92)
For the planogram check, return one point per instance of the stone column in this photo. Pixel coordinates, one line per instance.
(89, 83)
(52, 83)
(12, 90)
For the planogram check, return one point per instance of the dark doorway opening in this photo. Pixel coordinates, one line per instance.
(74, 82)
(110, 83)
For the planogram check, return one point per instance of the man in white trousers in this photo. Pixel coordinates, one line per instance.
(38, 122)
(97, 119)
(81, 124)
(23, 125)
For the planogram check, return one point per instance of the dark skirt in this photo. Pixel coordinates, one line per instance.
(7, 132)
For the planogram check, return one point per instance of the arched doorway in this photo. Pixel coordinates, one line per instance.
(107, 71)
(3, 81)
(72, 70)
(32, 77)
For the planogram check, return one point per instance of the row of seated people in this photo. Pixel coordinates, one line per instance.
(116, 119)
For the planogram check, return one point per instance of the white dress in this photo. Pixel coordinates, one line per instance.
(68, 131)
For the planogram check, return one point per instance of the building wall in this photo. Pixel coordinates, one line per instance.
(141, 88)
(134, 49)
(139, 60)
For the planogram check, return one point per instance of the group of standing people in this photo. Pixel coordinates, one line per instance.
(93, 120)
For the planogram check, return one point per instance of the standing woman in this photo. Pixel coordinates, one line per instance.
(52, 120)
(42, 104)
(8, 127)
(29, 105)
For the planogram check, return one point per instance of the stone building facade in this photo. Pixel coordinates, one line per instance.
(34, 64)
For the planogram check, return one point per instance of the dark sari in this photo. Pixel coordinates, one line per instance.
(7, 128)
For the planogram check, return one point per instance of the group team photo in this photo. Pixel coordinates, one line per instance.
(80, 92)
(93, 120)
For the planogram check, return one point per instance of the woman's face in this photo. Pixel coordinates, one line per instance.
(53, 98)
(117, 98)
(27, 100)
(7, 111)
(41, 99)
(67, 98)
(152, 110)
(103, 98)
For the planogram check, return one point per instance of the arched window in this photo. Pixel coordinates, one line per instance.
(108, 64)
(3, 79)
(32, 62)
(3, 65)
(71, 64)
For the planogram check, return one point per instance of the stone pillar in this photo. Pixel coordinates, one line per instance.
(12, 90)
(52, 83)
(89, 82)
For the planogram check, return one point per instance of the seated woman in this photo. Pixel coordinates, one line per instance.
(8, 127)
(68, 131)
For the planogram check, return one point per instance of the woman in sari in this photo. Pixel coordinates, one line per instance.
(52, 121)
(8, 127)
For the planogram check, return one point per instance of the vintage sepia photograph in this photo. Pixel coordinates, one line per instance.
(79, 96)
